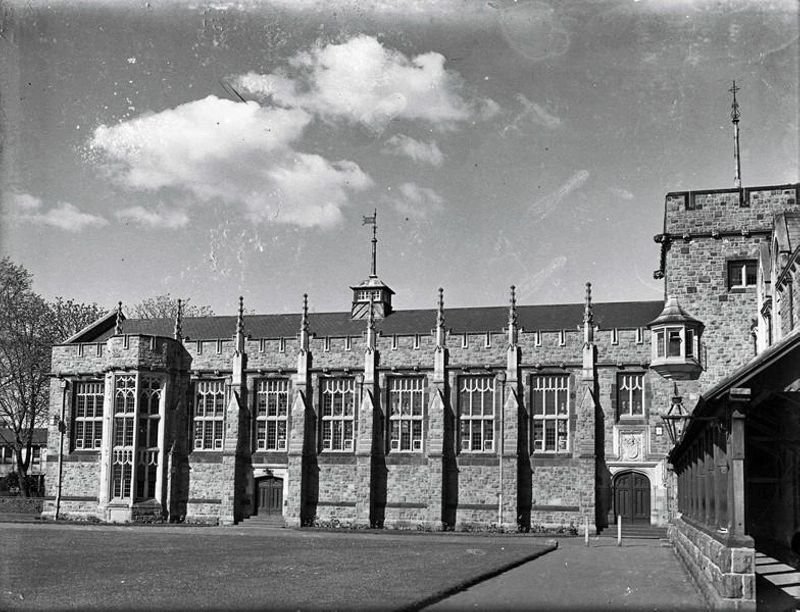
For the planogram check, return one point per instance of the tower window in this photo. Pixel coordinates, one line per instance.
(742, 273)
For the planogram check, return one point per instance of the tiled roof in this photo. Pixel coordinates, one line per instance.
(39, 436)
(622, 315)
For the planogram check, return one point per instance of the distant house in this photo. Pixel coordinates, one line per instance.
(8, 459)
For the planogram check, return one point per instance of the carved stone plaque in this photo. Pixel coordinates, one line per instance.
(631, 446)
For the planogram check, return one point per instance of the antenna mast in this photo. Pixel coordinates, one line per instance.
(737, 177)
(373, 220)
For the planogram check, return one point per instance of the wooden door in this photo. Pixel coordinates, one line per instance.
(270, 497)
(632, 497)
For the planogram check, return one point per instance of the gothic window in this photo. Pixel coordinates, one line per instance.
(272, 411)
(149, 418)
(478, 403)
(630, 395)
(209, 414)
(338, 414)
(406, 410)
(742, 273)
(135, 447)
(550, 411)
(88, 415)
(124, 425)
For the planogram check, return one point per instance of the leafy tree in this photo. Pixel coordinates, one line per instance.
(29, 326)
(165, 306)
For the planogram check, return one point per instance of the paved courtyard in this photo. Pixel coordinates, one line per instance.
(641, 575)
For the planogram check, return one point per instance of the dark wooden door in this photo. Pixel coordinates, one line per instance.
(632, 497)
(270, 497)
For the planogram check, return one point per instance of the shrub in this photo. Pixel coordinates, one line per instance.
(21, 505)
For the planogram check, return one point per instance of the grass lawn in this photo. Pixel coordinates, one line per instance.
(49, 566)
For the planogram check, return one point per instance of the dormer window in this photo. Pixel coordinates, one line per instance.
(675, 337)
(364, 295)
(375, 292)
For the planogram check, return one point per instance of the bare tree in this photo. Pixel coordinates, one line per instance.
(164, 307)
(68, 317)
(28, 328)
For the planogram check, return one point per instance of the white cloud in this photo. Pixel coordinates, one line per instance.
(363, 82)
(249, 154)
(544, 206)
(622, 194)
(423, 152)
(25, 208)
(23, 202)
(311, 191)
(167, 219)
(416, 202)
(238, 153)
(531, 114)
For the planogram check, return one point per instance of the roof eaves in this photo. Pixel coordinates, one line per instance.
(102, 322)
(765, 359)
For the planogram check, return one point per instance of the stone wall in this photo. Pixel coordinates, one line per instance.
(724, 570)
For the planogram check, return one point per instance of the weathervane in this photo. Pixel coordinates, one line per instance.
(737, 177)
(373, 221)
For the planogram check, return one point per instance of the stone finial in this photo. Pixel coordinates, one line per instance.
(178, 331)
(587, 308)
(118, 325)
(440, 335)
(240, 326)
(588, 317)
(240, 317)
(512, 317)
(304, 324)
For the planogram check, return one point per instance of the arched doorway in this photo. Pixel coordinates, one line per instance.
(269, 497)
(632, 497)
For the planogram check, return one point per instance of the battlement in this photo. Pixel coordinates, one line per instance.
(714, 212)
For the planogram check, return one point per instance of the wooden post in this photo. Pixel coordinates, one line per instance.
(586, 531)
(619, 530)
(736, 475)
(720, 480)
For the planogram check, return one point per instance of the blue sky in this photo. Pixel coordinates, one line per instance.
(526, 143)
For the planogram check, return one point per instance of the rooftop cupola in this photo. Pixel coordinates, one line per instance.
(675, 336)
(372, 294)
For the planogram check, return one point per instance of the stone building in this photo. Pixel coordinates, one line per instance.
(516, 415)
(731, 257)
